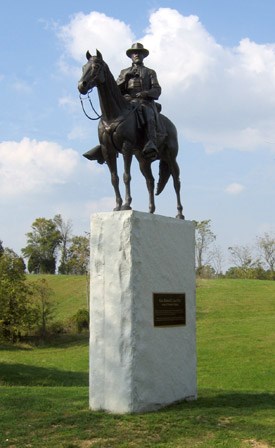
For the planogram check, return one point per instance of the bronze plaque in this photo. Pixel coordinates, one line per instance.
(169, 309)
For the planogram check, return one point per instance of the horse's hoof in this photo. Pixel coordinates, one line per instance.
(117, 209)
(126, 207)
(180, 216)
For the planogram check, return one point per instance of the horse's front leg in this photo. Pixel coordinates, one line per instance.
(112, 165)
(127, 156)
(150, 182)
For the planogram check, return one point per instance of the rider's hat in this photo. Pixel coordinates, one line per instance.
(137, 47)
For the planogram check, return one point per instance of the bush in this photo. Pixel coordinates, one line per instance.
(257, 273)
(206, 271)
(81, 320)
(57, 327)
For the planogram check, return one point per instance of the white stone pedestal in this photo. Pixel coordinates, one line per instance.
(134, 365)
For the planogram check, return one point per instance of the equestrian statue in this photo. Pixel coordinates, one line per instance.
(131, 124)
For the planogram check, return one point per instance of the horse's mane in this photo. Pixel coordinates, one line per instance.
(110, 80)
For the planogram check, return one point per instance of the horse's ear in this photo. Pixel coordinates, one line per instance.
(88, 55)
(98, 54)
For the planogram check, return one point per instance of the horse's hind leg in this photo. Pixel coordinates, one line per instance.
(145, 168)
(175, 171)
(150, 182)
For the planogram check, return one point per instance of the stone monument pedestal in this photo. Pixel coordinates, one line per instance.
(142, 312)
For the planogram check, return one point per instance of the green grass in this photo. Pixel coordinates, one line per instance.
(70, 293)
(44, 393)
(236, 334)
(63, 364)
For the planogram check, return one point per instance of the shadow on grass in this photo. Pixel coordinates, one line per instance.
(241, 400)
(25, 375)
(215, 419)
(63, 341)
(15, 348)
(211, 399)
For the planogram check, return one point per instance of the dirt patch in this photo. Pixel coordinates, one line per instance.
(92, 442)
(225, 421)
(255, 444)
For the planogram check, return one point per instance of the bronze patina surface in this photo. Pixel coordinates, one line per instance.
(131, 125)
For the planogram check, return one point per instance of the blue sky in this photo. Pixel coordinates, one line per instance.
(215, 61)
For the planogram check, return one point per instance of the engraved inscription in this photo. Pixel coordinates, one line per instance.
(169, 309)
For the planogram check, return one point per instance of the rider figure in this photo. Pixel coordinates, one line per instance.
(139, 83)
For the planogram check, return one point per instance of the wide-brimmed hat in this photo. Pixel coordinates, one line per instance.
(137, 47)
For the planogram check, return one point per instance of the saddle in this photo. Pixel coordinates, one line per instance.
(141, 123)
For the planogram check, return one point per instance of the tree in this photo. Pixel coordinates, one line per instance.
(242, 257)
(78, 255)
(42, 245)
(43, 296)
(18, 313)
(65, 229)
(217, 258)
(1, 248)
(256, 272)
(245, 265)
(204, 238)
(266, 246)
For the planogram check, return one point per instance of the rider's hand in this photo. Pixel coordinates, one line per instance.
(143, 95)
(127, 97)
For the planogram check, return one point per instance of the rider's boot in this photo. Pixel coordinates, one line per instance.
(150, 150)
(95, 154)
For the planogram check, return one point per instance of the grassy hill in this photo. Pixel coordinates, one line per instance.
(70, 293)
(236, 334)
(44, 393)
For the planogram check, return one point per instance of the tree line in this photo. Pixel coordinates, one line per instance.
(52, 248)
(255, 261)
(51, 240)
(24, 307)
(27, 308)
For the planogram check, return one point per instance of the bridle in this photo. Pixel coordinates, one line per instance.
(91, 104)
(130, 111)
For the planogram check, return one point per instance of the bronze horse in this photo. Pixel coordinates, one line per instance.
(119, 132)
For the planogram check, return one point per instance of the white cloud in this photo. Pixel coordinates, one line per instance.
(221, 97)
(21, 86)
(266, 227)
(88, 32)
(182, 51)
(104, 204)
(30, 166)
(79, 133)
(69, 103)
(234, 188)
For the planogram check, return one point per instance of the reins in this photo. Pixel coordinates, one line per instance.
(91, 104)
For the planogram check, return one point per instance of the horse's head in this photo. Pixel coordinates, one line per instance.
(93, 73)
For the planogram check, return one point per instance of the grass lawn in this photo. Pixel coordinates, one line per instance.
(70, 293)
(44, 390)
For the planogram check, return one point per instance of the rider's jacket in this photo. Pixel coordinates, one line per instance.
(139, 78)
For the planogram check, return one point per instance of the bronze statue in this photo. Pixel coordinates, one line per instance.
(140, 84)
(124, 126)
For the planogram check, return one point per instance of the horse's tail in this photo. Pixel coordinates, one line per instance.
(164, 174)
